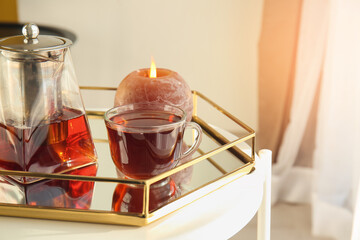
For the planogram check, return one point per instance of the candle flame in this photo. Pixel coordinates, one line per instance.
(152, 69)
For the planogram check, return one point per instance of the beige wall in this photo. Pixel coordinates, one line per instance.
(211, 43)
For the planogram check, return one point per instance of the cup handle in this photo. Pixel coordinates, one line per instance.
(197, 139)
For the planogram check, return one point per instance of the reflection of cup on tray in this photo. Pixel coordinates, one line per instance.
(128, 198)
(146, 139)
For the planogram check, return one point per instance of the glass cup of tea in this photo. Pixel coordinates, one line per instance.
(146, 139)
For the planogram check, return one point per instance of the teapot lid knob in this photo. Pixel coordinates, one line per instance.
(32, 41)
(30, 31)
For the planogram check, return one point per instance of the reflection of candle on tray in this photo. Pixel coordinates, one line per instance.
(151, 85)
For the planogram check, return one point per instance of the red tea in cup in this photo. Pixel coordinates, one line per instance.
(146, 139)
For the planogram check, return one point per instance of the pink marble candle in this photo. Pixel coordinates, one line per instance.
(168, 87)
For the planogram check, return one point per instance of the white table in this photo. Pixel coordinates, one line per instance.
(218, 215)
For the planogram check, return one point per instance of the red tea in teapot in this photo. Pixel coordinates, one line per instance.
(57, 146)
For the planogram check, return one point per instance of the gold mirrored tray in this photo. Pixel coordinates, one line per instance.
(108, 199)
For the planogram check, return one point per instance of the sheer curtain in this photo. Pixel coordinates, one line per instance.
(337, 155)
(325, 105)
(308, 66)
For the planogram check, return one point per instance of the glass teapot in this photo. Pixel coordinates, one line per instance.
(43, 127)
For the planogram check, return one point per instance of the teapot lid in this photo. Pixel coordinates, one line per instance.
(32, 41)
